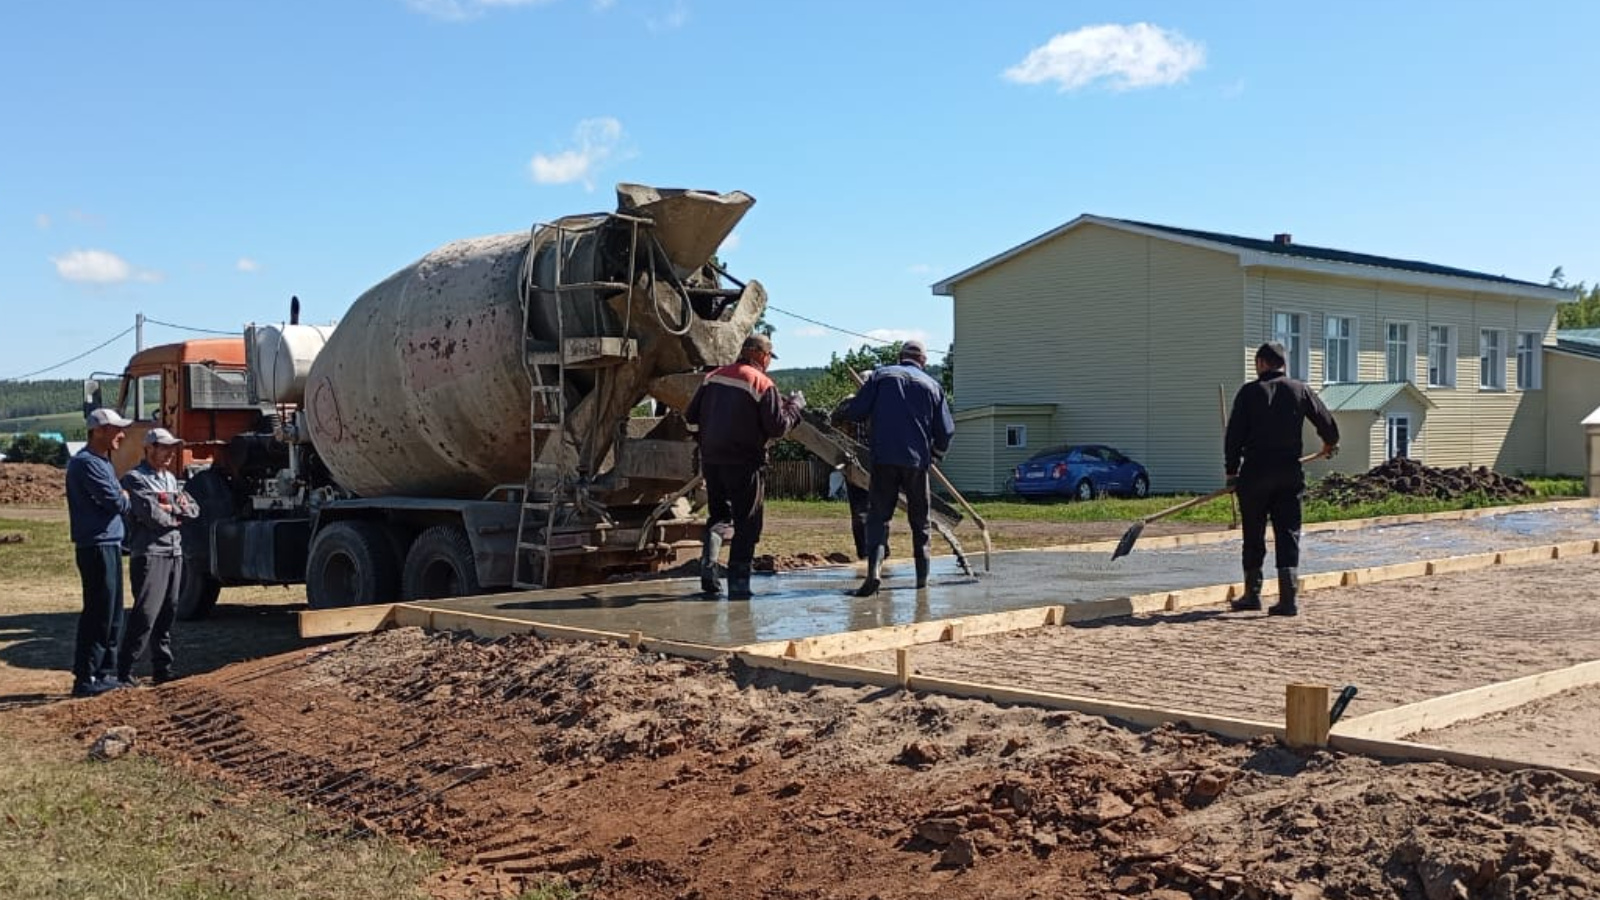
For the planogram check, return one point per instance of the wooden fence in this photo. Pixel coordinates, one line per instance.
(797, 479)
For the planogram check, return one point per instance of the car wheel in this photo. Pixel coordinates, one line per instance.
(1141, 486)
(1084, 491)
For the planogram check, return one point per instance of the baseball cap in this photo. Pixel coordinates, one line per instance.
(759, 342)
(160, 436)
(102, 417)
(913, 350)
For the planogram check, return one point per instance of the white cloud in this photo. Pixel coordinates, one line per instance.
(1126, 56)
(42, 220)
(811, 331)
(462, 10)
(100, 267)
(246, 264)
(898, 334)
(675, 18)
(598, 140)
(919, 269)
(731, 243)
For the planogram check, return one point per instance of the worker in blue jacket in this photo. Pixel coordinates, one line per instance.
(911, 430)
(96, 504)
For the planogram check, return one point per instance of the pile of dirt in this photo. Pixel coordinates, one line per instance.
(631, 775)
(1407, 477)
(786, 562)
(32, 484)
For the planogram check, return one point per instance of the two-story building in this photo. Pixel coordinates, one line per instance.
(1125, 333)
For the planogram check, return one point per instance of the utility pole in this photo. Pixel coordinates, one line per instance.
(138, 344)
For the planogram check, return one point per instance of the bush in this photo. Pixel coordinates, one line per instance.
(31, 448)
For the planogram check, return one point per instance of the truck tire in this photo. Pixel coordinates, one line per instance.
(439, 565)
(351, 564)
(197, 592)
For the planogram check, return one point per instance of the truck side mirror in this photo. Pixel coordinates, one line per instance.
(92, 398)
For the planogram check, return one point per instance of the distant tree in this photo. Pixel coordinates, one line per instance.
(1584, 310)
(947, 373)
(31, 448)
(21, 399)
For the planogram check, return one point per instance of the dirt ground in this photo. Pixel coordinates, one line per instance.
(1398, 642)
(635, 776)
(1562, 730)
(31, 484)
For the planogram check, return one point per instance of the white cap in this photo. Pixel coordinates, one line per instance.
(160, 436)
(102, 417)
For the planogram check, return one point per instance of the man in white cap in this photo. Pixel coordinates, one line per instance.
(95, 506)
(159, 508)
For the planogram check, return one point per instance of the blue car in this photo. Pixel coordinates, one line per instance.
(1082, 471)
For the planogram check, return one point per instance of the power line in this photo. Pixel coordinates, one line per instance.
(875, 340)
(190, 327)
(119, 335)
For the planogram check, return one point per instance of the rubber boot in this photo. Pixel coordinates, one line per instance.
(708, 564)
(1288, 589)
(923, 565)
(869, 585)
(1251, 599)
(739, 581)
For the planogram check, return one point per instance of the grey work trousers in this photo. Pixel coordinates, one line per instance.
(156, 582)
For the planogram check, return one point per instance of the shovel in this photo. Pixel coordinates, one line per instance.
(1125, 546)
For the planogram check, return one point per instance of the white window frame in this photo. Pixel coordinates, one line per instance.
(1351, 355)
(1491, 360)
(1447, 365)
(1299, 351)
(1530, 375)
(1016, 437)
(1409, 361)
(1389, 433)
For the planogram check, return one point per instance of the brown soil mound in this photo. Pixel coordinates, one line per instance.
(637, 776)
(32, 484)
(1410, 478)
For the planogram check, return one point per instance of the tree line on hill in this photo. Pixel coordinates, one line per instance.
(19, 399)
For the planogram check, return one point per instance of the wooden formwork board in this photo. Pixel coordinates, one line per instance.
(1439, 712)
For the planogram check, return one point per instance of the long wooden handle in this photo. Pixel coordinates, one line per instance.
(1196, 501)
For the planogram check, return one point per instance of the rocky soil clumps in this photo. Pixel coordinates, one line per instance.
(32, 484)
(1409, 478)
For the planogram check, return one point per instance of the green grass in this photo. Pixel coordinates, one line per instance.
(1557, 487)
(132, 829)
(69, 424)
(44, 555)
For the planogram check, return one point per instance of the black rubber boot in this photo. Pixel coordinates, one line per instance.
(708, 564)
(1288, 590)
(1251, 600)
(869, 585)
(923, 565)
(739, 582)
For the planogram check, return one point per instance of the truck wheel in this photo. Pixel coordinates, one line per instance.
(351, 563)
(197, 592)
(440, 564)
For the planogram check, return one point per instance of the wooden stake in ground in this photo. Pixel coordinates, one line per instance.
(1306, 715)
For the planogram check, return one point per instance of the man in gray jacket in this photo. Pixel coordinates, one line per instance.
(158, 507)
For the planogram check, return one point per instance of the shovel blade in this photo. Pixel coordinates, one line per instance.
(1125, 546)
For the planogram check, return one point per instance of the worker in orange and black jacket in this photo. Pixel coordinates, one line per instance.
(1262, 457)
(738, 411)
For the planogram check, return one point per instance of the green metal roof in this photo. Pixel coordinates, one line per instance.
(1368, 396)
(1583, 341)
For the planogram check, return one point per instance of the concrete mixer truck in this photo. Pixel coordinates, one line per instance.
(470, 424)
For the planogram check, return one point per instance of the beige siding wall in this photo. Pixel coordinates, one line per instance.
(1122, 332)
(1501, 429)
(1572, 386)
(970, 463)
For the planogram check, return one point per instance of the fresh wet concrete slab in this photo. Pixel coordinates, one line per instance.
(810, 602)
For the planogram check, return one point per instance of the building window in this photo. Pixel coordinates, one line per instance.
(1398, 442)
(1529, 377)
(1017, 436)
(1339, 358)
(1441, 356)
(1397, 356)
(1288, 329)
(1491, 361)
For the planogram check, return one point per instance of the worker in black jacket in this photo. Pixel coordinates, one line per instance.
(738, 410)
(1263, 447)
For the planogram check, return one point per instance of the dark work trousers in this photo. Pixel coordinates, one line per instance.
(737, 494)
(887, 483)
(100, 570)
(1271, 494)
(156, 581)
(861, 518)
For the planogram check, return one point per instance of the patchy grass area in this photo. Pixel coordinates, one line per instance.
(130, 828)
(43, 555)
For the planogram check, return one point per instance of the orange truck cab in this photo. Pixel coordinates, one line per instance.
(198, 390)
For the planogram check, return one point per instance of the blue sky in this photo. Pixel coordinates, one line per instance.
(202, 161)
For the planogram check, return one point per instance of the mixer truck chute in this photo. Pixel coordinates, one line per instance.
(466, 426)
